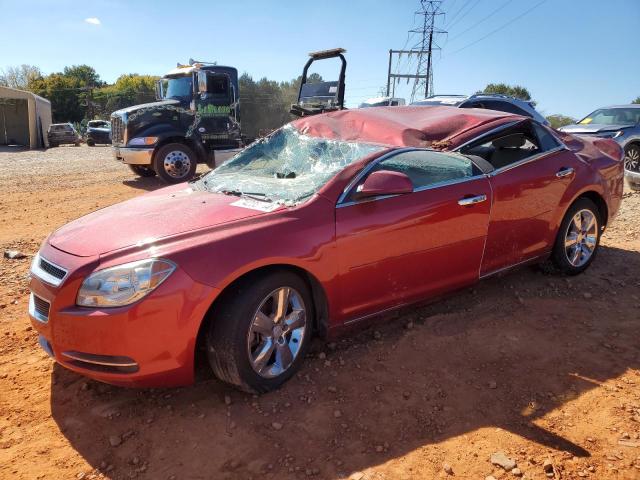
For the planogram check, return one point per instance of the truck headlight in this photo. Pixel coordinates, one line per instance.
(143, 141)
(123, 284)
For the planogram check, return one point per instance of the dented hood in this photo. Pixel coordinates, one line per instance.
(163, 213)
(592, 128)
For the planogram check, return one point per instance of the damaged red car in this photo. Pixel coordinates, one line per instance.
(330, 220)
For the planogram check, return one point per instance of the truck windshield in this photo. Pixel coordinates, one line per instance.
(180, 88)
(287, 167)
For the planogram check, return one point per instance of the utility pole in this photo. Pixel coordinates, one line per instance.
(423, 50)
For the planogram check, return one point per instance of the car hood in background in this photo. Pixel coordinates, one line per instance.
(165, 212)
(142, 106)
(592, 128)
(98, 130)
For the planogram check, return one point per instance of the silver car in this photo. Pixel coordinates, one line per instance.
(621, 123)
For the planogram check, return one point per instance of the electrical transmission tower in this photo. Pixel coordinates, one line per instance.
(423, 50)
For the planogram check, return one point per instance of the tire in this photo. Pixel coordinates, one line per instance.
(632, 163)
(175, 163)
(142, 171)
(52, 145)
(234, 338)
(574, 258)
(91, 143)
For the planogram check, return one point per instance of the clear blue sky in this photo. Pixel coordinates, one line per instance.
(573, 55)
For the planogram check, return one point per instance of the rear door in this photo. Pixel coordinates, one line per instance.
(397, 249)
(532, 172)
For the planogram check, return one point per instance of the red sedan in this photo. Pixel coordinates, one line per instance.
(328, 221)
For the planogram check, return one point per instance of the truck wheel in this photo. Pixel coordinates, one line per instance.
(260, 331)
(142, 171)
(175, 163)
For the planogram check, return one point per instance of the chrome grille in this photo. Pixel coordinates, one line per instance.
(52, 269)
(48, 271)
(39, 308)
(117, 130)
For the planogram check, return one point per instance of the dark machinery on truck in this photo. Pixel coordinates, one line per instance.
(321, 96)
(196, 119)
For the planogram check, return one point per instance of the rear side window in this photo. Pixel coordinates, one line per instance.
(506, 107)
(426, 168)
(547, 141)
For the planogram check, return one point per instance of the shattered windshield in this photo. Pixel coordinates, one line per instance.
(287, 167)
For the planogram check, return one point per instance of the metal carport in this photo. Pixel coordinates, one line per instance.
(24, 118)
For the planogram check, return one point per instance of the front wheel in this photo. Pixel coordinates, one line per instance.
(91, 143)
(632, 163)
(260, 331)
(578, 239)
(142, 171)
(175, 163)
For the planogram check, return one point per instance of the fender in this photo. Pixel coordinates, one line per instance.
(167, 133)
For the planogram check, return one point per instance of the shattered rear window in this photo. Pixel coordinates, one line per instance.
(287, 167)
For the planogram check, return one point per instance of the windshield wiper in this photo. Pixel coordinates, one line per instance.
(253, 195)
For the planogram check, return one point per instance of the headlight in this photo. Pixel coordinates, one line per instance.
(617, 134)
(124, 284)
(142, 141)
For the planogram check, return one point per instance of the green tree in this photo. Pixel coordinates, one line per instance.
(129, 89)
(64, 94)
(637, 100)
(558, 120)
(516, 91)
(85, 75)
(20, 77)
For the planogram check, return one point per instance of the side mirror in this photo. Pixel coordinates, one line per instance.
(384, 182)
(202, 82)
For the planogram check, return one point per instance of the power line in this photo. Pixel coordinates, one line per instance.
(449, 27)
(480, 21)
(502, 27)
(423, 51)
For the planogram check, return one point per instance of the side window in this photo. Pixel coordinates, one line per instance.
(426, 167)
(513, 145)
(547, 140)
(506, 148)
(507, 107)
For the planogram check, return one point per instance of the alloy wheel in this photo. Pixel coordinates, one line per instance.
(277, 332)
(632, 159)
(581, 237)
(177, 164)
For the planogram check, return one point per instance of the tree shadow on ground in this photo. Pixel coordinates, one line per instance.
(503, 354)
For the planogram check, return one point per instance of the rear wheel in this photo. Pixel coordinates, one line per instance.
(260, 332)
(142, 170)
(175, 163)
(91, 143)
(578, 239)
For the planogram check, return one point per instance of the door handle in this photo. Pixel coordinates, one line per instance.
(466, 201)
(565, 172)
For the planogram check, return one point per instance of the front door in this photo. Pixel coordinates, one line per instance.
(532, 173)
(397, 249)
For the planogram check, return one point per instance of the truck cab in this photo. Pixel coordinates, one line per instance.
(196, 119)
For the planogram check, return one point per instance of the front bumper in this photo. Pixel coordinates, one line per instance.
(150, 343)
(633, 178)
(133, 156)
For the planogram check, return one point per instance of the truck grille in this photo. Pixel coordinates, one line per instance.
(117, 130)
